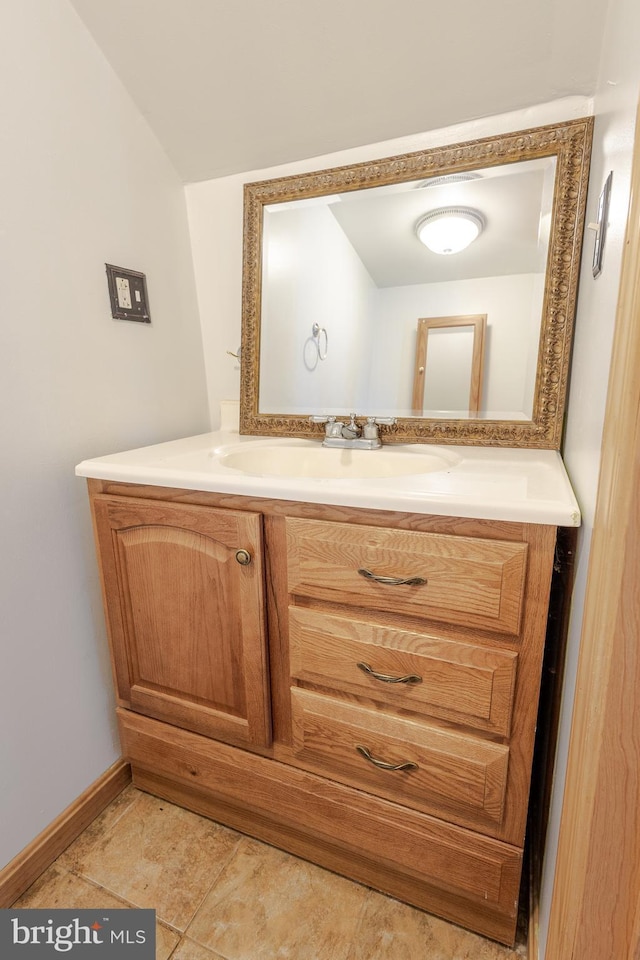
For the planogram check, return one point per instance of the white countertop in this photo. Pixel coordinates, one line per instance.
(491, 483)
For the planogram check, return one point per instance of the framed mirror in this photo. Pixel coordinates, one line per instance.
(355, 254)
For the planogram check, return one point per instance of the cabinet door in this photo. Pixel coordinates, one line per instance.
(185, 613)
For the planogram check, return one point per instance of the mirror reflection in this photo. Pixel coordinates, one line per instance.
(352, 265)
(341, 265)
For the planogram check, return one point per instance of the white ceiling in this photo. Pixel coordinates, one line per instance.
(380, 225)
(234, 85)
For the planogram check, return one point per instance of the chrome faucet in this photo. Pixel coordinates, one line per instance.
(350, 435)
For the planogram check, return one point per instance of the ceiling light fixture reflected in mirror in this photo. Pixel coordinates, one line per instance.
(450, 229)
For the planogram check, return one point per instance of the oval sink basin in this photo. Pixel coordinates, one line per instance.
(312, 460)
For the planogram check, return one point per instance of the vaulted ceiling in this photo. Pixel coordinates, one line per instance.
(234, 85)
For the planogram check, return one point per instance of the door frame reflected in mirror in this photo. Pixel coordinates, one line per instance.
(478, 325)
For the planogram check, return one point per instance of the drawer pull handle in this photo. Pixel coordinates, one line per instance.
(243, 557)
(385, 678)
(382, 764)
(396, 581)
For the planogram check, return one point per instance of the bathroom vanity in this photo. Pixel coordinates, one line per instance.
(340, 651)
(347, 668)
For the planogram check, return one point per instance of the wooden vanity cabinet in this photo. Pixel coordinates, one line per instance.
(363, 693)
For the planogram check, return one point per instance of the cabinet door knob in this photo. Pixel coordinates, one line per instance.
(243, 557)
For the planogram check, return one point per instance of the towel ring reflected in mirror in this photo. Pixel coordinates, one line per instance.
(315, 347)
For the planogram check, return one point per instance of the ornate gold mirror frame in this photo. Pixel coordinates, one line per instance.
(570, 144)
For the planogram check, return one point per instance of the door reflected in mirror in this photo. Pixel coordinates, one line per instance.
(449, 367)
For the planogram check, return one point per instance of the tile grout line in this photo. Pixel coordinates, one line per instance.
(215, 954)
(230, 858)
(130, 809)
(128, 904)
(127, 808)
(219, 873)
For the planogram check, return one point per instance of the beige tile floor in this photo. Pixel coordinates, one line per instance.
(219, 895)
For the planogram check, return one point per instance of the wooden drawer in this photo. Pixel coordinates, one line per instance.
(468, 581)
(460, 682)
(453, 775)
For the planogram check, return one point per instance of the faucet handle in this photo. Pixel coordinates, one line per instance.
(383, 421)
(370, 430)
(333, 427)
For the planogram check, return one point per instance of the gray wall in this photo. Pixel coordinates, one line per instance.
(82, 182)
